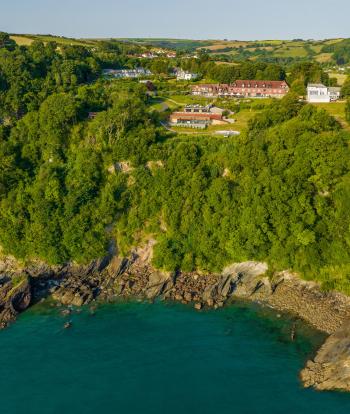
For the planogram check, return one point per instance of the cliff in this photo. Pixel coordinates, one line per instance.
(114, 277)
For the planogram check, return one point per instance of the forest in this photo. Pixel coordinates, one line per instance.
(69, 184)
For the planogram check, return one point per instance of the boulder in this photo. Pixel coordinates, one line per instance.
(74, 293)
(159, 283)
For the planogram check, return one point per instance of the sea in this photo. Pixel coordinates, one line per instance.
(159, 358)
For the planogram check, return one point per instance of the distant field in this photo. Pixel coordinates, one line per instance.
(221, 45)
(324, 57)
(286, 51)
(177, 44)
(261, 49)
(332, 41)
(22, 41)
(25, 40)
(341, 77)
(227, 63)
(234, 50)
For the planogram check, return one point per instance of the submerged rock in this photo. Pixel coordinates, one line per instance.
(67, 325)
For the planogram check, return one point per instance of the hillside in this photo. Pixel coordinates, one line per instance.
(28, 39)
(326, 52)
(263, 50)
(71, 183)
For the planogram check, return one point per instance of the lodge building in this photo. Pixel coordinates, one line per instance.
(243, 89)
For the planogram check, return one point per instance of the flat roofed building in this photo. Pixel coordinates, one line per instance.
(195, 120)
(317, 93)
(199, 109)
(127, 73)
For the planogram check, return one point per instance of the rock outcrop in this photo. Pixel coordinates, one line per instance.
(330, 370)
(15, 297)
(159, 283)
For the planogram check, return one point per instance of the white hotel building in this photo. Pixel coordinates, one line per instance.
(316, 92)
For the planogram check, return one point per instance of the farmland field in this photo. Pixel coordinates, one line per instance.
(22, 40)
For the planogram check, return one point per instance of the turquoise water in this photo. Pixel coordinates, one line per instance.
(160, 358)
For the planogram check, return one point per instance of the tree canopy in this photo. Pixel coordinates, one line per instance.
(69, 184)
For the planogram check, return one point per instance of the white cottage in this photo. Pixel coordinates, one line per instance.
(188, 76)
(317, 92)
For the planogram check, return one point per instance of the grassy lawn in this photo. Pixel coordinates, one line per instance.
(177, 102)
(190, 99)
(336, 109)
(242, 118)
(161, 104)
(341, 77)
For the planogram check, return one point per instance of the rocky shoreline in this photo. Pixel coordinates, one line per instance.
(134, 277)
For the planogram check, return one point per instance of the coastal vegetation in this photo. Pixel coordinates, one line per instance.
(69, 184)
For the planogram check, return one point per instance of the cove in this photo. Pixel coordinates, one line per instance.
(133, 357)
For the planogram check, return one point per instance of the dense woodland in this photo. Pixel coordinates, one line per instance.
(69, 185)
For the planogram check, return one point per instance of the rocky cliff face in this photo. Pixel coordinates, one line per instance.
(114, 277)
(330, 370)
(15, 297)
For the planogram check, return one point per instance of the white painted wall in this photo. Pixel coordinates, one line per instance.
(318, 94)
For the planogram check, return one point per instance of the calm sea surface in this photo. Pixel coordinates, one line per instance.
(161, 358)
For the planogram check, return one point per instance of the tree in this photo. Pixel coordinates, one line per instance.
(345, 90)
(347, 110)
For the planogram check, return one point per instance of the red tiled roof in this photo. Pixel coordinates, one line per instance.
(259, 84)
(191, 115)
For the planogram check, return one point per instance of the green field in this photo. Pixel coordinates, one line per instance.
(340, 77)
(254, 50)
(177, 44)
(336, 109)
(25, 40)
(236, 50)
